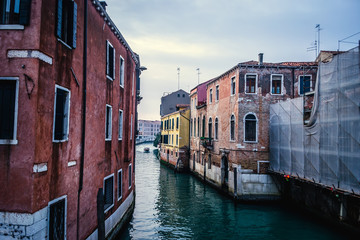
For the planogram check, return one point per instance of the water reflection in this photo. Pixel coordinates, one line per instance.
(178, 206)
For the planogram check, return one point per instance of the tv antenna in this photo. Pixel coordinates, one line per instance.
(178, 70)
(343, 40)
(315, 46)
(198, 70)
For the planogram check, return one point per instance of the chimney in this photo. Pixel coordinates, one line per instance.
(103, 4)
(261, 58)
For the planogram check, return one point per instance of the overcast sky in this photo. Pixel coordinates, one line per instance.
(215, 35)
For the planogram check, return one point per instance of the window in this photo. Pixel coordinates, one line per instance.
(61, 114)
(120, 124)
(194, 127)
(130, 176)
(232, 128)
(122, 71)
(172, 139)
(276, 83)
(108, 122)
(119, 192)
(178, 94)
(250, 128)
(108, 192)
(191, 127)
(203, 127)
(233, 85)
(304, 84)
(183, 95)
(216, 128)
(66, 22)
(217, 94)
(210, 95)
(172, 124)
(177, 139)
(177, 123)
(110, 61)
(57, 218)
(198, 126)
(210, 127)
(251, 83)
(15, 12)
(9, 88)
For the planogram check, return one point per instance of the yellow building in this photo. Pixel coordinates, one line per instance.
(175, 138)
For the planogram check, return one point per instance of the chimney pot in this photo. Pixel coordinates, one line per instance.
(261, 58)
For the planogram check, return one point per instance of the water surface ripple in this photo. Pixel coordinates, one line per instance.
(178, 206)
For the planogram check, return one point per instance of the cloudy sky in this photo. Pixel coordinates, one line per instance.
(215, 35)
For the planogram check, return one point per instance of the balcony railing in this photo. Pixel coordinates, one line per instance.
(207, 142)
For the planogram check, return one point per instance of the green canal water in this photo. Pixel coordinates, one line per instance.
(179, 206)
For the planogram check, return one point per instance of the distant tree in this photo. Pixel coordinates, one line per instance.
(157, 139)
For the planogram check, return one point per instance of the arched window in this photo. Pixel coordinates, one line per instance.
(203, 127)
(250, 128)
(210, 127)
(232, 127)
(198, 130)
(216, 128)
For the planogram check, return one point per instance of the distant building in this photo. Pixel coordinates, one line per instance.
(147, 130)
(68, 108)
(170, 101)
(174, 148)
(230, 127)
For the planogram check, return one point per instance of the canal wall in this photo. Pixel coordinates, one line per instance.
(118, 219)
(329, 203)
(241, 184)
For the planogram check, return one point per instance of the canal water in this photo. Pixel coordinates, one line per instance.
(179, 206)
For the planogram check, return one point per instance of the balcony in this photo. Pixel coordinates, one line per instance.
(207, 143)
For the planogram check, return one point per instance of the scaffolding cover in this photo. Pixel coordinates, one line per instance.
(327, 149)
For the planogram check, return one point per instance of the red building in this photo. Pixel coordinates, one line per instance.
(69, 89)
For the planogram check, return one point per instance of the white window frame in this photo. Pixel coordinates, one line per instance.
(210, 95)
(65, 215)
(311, 88)
(122, 71)
(232, 140)
(67, 121)
(105, 178)
(119, 189)
(256, 83)
(217, 93)
(13, 141)
(107, 60)
(130, 175)
(108, 138)
(257, 127)
(121, 124)
(281, 86)
(231, 86)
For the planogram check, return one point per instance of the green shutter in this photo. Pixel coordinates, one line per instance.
(25, 6)
(59, 18)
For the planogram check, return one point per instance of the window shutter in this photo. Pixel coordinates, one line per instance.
(59, 18)
(25, 6)
(7, 108)
(74, 11)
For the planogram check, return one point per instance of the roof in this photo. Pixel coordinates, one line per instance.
(99, 7)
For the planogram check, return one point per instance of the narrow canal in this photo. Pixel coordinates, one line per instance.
(179, 206)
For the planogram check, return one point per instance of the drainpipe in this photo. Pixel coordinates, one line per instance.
(82, 157)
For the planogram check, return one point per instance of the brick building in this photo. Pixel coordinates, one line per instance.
(234, 121)
(69, 89)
